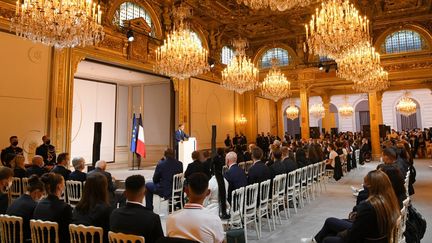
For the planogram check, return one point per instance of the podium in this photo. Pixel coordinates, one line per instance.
(185, 151)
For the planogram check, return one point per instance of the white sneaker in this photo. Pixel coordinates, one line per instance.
(308, 240)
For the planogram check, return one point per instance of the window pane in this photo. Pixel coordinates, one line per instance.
(403, 41)
(227, 55)
(128, 11)
(279, 53)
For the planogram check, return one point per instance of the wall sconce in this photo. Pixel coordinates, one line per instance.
(242, 120)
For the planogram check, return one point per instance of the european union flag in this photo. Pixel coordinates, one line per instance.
(134, 136)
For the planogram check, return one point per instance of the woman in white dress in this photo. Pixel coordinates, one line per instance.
(216, 201)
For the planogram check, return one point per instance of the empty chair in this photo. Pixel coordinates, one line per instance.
(250, 209)
(177, 191)
(236, 210)
(309, 184)
(248, 165)
(315, 179)
(282, 193)
(16, 189)
(274, 201)
(321, 177)
(74, 190)
(44, 231)
(304, 194)
(263, 204)
(11, 229)
(124, 238)
(291, 191)
(297, 185)
(85, 234)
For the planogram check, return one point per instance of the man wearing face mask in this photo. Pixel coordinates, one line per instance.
(12, 150)
(47, 151)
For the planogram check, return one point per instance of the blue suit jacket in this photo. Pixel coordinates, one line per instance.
(236, 179)
(163, 175)
(180, 135)
(258, 173)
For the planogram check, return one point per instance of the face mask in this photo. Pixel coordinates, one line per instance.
(48, 142)
(15, 143)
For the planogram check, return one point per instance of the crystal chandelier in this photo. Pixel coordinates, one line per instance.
(406, 106)
(335, 28)
(59, 23)
(181, 56)
(317, 111)
(240, 75)
(280, 5)
(362, 65)
(242, 120)
(292, 112)
(346, 110)
(275, 85)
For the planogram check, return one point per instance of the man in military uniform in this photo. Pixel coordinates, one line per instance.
(8, 153)
(47, 151)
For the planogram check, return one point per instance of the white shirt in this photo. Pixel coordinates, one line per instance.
(212, 200)
(194, 222)
(332, 156)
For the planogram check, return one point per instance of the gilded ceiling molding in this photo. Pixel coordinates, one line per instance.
(425, 33)
(154, 12)
(408, 66)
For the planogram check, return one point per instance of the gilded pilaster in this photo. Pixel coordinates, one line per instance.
(280, 119)
(304, 111)
(183, 103)
(374, 125)
(326, 122)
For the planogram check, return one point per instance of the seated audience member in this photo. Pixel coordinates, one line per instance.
(52, 208)
(100, 167)
(25, 205)
(9, 153)
(218, 160)
(301, 159)
(37, 166)
(196, 166)
(135, 218)
(277, 167)
(18, 166)
(94, 208)
(207, 161)
(235, 176)
(78, 175)
(216, 201)
(330, 162)
(397, 181)
(47, 151)
(163, 178)
(194, 222)
(62, 164)
(6, 175)
(288, 161)
(389, 156)
(376, 217)
(258, 172)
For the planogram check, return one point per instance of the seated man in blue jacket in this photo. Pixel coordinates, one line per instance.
(235, 176)
(163, 177)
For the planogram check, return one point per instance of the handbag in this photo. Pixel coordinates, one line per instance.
(415, 226)
(235, 236)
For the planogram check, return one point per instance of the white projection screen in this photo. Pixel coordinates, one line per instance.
(93, 102)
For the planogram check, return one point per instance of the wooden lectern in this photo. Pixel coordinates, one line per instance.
(185, 151)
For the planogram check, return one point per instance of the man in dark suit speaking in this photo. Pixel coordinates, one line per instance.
(180, 136)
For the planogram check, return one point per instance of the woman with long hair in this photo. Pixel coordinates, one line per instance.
(17, 164)
(94, 209)
(216, 201)
(376, 217)
(52, 208)
(301, 159)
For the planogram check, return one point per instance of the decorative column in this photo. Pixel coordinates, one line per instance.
(181, 88)
(379, 107)
(304, 111)
(280, 118)
(250, 113)
(326, 121)
(374, 125)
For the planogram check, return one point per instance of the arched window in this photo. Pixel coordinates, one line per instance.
(196, 38)
(279, 53)
(227, 55)
(128, 11)
(403, 41)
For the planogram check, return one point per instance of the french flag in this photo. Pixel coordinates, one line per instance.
(140, 147)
